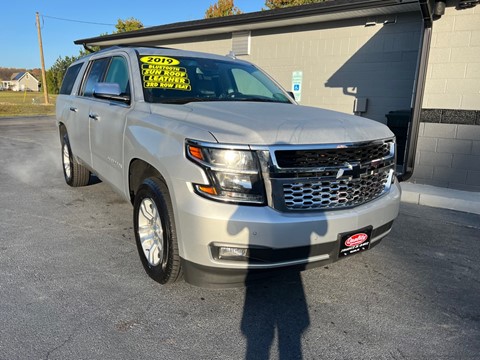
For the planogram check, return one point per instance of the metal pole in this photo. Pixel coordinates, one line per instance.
(44, 75)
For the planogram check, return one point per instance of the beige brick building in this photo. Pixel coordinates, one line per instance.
(448, 151)
(366, 57)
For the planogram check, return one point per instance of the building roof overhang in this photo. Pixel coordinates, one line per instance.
(298, 15)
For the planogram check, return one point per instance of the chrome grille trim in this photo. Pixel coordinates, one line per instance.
(328, 177)
(332, 194)
(332, 157)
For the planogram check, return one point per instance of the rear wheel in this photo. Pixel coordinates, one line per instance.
(155, 233)
(75, 174)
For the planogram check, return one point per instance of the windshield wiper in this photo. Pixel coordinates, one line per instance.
(182, 101)
(256, 99)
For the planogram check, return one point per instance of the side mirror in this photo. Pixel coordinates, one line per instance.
(292, 95)
(110, 91)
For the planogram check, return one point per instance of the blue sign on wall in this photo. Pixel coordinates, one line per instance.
(297, 78)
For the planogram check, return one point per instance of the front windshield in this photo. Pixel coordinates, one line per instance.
(181, 80)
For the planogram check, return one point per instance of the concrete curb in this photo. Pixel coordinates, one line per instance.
(452, 199)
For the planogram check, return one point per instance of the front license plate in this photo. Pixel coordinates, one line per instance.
(354, 242)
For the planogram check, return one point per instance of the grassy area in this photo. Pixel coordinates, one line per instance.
(16, 103)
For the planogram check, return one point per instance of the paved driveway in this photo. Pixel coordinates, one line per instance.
(72, 285)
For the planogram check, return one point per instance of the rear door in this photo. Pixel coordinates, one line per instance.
(69, 112)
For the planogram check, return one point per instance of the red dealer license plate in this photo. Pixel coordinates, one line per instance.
(354, 242)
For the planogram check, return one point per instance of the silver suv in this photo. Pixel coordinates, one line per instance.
(229, 178)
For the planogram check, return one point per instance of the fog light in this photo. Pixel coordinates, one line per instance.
(231, 253)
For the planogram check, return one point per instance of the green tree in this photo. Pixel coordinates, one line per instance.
(56, 72)
(129, 24)
(222, 8)
(277, 4)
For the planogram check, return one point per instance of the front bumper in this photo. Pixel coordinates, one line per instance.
(301, 240)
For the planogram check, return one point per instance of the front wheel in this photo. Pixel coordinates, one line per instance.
(155, 233)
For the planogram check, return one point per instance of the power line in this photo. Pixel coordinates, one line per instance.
(77, 21)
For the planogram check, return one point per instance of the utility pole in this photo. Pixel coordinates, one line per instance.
(44, 75)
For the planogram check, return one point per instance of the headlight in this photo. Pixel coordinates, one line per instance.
(233, 174)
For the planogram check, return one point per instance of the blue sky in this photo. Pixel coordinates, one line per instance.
(18, 33)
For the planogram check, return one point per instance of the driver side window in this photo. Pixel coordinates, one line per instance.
(118, 73)
(95, 75)
(110, 70)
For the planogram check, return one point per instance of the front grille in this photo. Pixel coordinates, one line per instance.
(309, 195)
(331, 178)
(331, 157)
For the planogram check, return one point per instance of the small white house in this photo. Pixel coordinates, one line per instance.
(23, 81)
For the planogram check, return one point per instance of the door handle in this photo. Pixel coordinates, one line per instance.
(93, 116)
(74, 109)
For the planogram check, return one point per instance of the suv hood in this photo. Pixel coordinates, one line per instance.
(274, 124)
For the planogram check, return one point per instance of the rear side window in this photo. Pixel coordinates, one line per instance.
(69, 79)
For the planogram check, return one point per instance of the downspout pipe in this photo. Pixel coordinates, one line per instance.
(90, 50)
(427, 11)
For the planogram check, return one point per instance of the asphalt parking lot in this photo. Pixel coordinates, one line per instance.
(72, 285)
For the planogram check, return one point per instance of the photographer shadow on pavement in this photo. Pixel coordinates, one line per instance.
(276, 306)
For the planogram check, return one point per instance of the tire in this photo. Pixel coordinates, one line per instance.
(155, 232)
(75, 174)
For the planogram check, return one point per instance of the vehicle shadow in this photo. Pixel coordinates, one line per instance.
(94, 179)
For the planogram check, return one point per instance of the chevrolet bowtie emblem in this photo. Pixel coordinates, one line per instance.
(352, 171)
